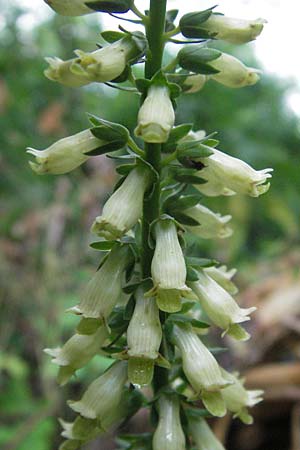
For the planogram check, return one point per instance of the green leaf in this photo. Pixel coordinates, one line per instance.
(175, 135)
(124, 169)
(188, 176)
(170, 17)
(190, 24)
(197, 412)
(181, 318)
(187, 201)
(192, 274)
(187, 306)
(184, 219)
(200, 263)
(103, 246)
(110, 6)
(112, 36)
(196, 58)
(193, 149)
(129, 308)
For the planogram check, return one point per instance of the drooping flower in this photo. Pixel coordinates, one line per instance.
(156, 116)
(105, 288)
(223, 277)
(169, 434)
(220, 307)
(144, 336)
(103, 396)
(211, 224)
(194, 83)
(202, 435)
(81, 7)
(168, 267)
(124, 208)
(233, 73)
(238, 398)
(227, 175)
(66, 154)
(201, 369)
(100, 66)
(235, 31)
(77, 352)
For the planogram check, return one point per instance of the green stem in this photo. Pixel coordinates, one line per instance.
(155, 28)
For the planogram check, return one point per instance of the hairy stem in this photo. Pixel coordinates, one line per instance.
(155, 28)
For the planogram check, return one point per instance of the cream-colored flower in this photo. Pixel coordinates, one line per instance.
(66, 154)
(105, 288)
(77, 352)
(238, 398)
(233, 73)
(104, 395)
(202, 435)
(227, 175)
(144, 336)
(124, 208)
(100, 66)
(201, 369)
(168, 434)
(223, 277)
(211, 224)
(69, 7)
(156, 116)
(168, 267)
(219, 305)
(194, 83)
(235, 31)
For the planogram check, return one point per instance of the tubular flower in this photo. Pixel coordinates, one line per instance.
(124, 208)
(104, 395)
(235, 31)
(168, 268)
(211, 224)
(169, 434)
(144, 336)
(69, 7)
(202, 435)
(224, 171)
(220, 307)
(156, 116)
(66, 154)
(238, 398)
(201, 369)
(233, 73)
(194, 83)
(77, 352)
(223, 277)
(105, 288)
(100, 66)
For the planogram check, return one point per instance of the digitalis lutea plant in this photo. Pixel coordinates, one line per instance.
(154, 337)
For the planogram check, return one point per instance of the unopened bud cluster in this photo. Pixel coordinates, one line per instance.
(156, 330)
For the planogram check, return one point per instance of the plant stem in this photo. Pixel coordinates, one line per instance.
(155, 28)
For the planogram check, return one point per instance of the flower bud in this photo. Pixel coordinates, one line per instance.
(220, 307)
(224, 171)
(238, 398)
(105, 288)
(223, 277)
(144, 336)
(235, 31)
(69, 7)
(100, 66)
(212, 225)
(202, 435)
(124, 208)
(66, 154)
(77, 352)
(201, 369)
(194, 83)
(104, 395)
(168, 267)
(233, 73)
(169, 434)
(156, 116)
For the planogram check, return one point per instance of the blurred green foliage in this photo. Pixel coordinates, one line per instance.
(45, 220)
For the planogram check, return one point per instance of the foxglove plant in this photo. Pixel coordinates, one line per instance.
(153, 339)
